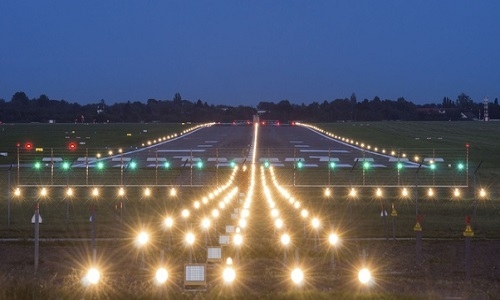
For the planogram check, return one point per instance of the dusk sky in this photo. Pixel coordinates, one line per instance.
(243, 52)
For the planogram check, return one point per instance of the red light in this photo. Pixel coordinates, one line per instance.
(72, 146)
(28, 146)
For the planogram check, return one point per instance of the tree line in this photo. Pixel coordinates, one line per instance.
(21, 109)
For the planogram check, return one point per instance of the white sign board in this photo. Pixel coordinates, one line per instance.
(39, 219)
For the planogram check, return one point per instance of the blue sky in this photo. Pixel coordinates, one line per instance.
(243, 52)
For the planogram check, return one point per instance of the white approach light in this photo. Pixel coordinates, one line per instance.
(285, 239)
(238, 239)
(229, 274)
(190, 238)
(333, 239)
(169, 222)
(315, 223)
(278, 223)
(142, 238)
(93, 276)
(297, 276)
(364, 276)
(205, 223)
(161, 275)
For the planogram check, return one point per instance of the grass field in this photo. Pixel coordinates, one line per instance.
(414, 138)
(96, 137)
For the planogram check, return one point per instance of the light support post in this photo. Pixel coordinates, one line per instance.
(37, 234)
